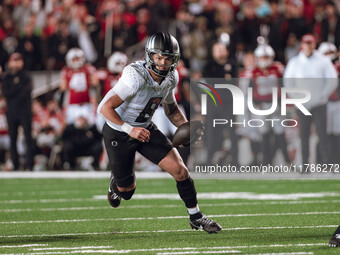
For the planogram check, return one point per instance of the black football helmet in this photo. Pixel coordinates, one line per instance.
(163, 44)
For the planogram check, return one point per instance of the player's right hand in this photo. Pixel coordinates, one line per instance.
(141, 134)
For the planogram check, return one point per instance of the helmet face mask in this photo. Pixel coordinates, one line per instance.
(162, 54)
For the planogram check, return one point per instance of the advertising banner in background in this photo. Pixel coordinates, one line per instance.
(266, 125)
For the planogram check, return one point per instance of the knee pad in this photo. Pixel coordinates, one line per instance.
(128, 194)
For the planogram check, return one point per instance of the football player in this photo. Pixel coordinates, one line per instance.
(110, 76)
(265, 77)
(128, 108)
(333, 106)
(77, 78)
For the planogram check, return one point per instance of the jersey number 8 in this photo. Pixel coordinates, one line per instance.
(149, 109)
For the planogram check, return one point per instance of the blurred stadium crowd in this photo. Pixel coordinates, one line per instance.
(47, 32)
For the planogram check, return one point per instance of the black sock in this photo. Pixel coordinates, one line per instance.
(187, 192)
(196, 216)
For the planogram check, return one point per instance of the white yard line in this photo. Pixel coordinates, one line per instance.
(188, 252)
(199, 252)
(71, 248)
(233, 195)
(65, 200)
(183, 249)
(162, 231)
(222, 247)
(56, 209)
(16, 210)
(293, 202)
(48, 192)
(167, 217)
(22, 245)
(43, 201)
(95, 233)
(153, 249)
(126, 251)
(175, 196)
(171, 206)
(284, 253)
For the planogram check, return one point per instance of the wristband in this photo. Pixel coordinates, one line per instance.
(127, 128)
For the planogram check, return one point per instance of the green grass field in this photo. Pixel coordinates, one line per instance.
(61, 216)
